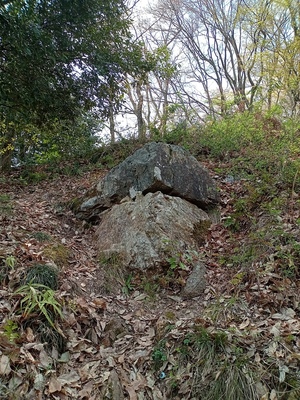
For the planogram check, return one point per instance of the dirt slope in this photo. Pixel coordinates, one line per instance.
(112, 347)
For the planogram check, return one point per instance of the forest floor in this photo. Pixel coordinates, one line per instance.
(133, 344)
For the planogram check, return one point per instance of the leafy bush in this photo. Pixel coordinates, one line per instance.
(228, 137)
(42, 274)
(41, 236)
(10, 330)
(40, 299)
(52, 143)
(7, 266)
(257, 146)
(159, 354)
(220, 369)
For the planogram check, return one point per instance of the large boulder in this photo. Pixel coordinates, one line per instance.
(146, 232)
(155, 167)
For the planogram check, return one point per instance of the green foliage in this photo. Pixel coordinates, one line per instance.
(176, 135)
(110, 155)
(5, 205)
(182, 260)
(42, 236)
(29, 176)
(61, 63)
(178, 263)
(39, 299)
(58, 253)
(255, 249)
(10, 262)
(7, 266)
(42, 274)
(231, 222)
(150, 286)
(258, 147)
(128, 285)
(115, 277)
(210, 342)
(10, 330)
(227, 137)
(288, 256)
(159, 354)
(50, 336)
(163, 65)
(220, 369)
(58, 141)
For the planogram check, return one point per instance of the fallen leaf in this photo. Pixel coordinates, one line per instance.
(273, 395)
(244, 324)
(54, 385)
(67, 379)
(39, 382)
(86, 390)
(4, 365)
(283, 369)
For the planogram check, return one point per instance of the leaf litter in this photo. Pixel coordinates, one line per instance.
(111, 339)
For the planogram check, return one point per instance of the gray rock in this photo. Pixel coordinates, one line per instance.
(195, 283)
(155, 167)
(112, 388)
(143, 232)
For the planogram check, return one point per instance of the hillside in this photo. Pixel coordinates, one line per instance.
(240, 340)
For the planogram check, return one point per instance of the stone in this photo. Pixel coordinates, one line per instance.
(112, 388)
(143, 232)
(155, 167)
(195, 283)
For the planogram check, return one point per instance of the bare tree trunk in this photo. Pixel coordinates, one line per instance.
(139, 112)
(112, 126)
(6, 152)
(5, 161)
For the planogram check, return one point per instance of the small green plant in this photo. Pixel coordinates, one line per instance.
(177, 259)
(128, 285)
(40, 299)
(288, 257)
(41, 236)
(10, 262)
(5, 205)
(175, 262)
(108, 161)
(58, 253)
(51, 337)
(149, 285)
(42, 274)
(232, 223)
(7, 267)
(115, 278)
(159, 354)
(10, 330)
(34, 176)
(73, 169)
(237, 278)
(220, 368)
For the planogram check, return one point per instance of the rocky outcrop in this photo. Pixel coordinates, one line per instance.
(155, 167)
(153, 212)
(148, 231)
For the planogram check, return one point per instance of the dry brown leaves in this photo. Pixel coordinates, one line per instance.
(110, 339)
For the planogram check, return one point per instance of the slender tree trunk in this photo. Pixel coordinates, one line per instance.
(5, 161)
(6, 152)
(112, 126)
(139, 113)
